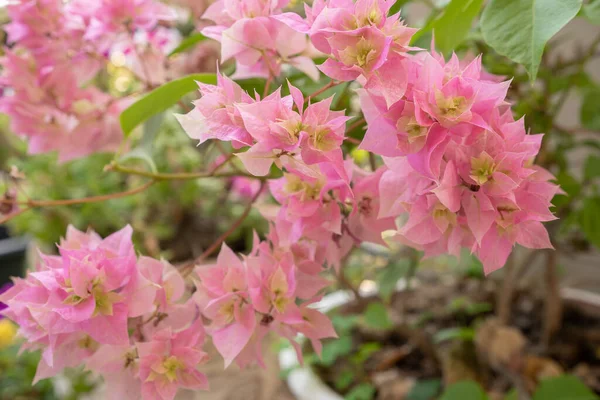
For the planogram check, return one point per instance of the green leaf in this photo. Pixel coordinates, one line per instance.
(512, 395)
(463, 391)
(590, 113)
(344, 380)
(569, 184)
(161, 99)
(520, 29)
(397, 6)
(365, 351)
(252, 85)
(592, 167)
(144, 150)
(464, 333)
(389, 276)
(425, 390)
(592, 11)
(589, 220)
(563, 388)
(334, 349)
(344, 323)
(140, 153)
(364, 391)
(188, 43)
(376, 316)
(454, 24)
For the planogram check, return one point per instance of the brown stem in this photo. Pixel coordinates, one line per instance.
(267, 86)
(185, 107)
(352, 140)
(505, 295)
(345, 282)
(187, 269)
(575, 130)
(553, 308)
(229, 159)
(13, 215)
(31, 204)
(372, 162)
(325, 88)
(181, 176)
(356, 125)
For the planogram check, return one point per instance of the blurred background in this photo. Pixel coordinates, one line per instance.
(408, 328)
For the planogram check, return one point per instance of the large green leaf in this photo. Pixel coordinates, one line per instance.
(397, 6)
(143, 151)
(463, 333)
(592, 11)
(589, 220)
(188, 43)
(463, 391)
(563, 388)
(334, 349)
(425, 390)
(389, 276)
(376, 316)
(590, 112)
(364, 391)
(520, 29)
(592, 167)
(452, 27)
(161, 99)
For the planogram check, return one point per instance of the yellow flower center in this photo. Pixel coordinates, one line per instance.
(450, 107)
(361, 54)
(482, 168)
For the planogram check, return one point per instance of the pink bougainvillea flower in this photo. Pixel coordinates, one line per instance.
(169, 361)
(119, 367)
(215, 114)
(223, 298)
(260, 38)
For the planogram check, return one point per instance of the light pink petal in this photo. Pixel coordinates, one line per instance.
(533, 235)
(231, 340)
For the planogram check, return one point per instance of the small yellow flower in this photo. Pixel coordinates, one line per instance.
(8, 331)
(360, 156)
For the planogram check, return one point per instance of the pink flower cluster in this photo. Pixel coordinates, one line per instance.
(362, 43)
(269, 290)
(459, 164)
(459, 169)
(260, 37)
(56, 49)
(125, 318)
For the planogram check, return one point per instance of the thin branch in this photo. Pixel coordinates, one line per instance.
(325, 88)
(187, 269)
(13, 215)
(352, 140)
(553, 307)
(267, 86)
(575, 130)
(93, 199)
(356, 124)
(372, 162)
(182, 176)
(505, 295)
(31, 204)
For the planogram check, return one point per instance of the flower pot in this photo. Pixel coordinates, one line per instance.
(13, 252)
